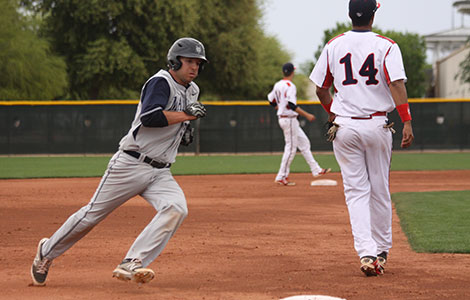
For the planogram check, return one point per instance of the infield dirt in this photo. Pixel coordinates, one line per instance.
(244, 238)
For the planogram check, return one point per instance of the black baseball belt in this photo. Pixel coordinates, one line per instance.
(148, 160)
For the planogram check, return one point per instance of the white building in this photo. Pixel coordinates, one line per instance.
(448, 49)
(443, 43)
(447, 83)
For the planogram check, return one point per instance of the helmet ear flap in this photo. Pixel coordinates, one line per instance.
(174, 64)
(201, 67)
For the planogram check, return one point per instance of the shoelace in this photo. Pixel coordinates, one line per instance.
(135, 264)
(43, 267)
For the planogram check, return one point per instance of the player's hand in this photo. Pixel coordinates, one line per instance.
(331, 117)
(408, 136)
(310, 117)
(196, 109)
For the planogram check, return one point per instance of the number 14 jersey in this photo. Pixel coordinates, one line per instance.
(360, 65)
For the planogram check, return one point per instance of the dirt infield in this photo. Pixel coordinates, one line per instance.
(244, 238)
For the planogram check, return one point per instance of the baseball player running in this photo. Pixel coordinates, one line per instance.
(369, 78)
(284, 98)
(141, 166)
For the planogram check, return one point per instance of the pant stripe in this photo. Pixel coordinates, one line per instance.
(92, 201)
(285, 166)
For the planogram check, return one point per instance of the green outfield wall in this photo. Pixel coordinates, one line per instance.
(67, 127)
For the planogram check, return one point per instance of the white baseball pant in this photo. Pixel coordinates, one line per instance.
(294, 138)
(363, 149)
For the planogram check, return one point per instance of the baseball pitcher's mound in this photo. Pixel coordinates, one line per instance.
(323, 182)
(312, 297)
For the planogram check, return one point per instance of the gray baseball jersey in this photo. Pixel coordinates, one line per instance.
(128, 176)
(161, 143)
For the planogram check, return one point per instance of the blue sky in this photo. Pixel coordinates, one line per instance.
(299, 24)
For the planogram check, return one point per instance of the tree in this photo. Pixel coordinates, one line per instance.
(112, 46)
(244, 62)
(29, 69)
(413, 49)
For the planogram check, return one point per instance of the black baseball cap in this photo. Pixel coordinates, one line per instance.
(288, 68)
(362, 9)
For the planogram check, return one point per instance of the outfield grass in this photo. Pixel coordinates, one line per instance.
(94, 166)
(436, 222)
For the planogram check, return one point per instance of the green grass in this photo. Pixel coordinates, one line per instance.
(94, 166)
(436, 222)
(245, 164)
(430, 161)
(52, 166)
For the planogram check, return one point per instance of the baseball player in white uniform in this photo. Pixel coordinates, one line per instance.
(284, 97)
(367, 72)
(141, 166)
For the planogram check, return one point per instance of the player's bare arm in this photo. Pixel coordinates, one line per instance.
(305, 114)
(325, 99)
(400, 97)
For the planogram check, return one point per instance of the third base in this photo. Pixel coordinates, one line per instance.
(324, 182)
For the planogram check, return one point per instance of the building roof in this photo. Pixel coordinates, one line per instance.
(454, 53)
(462, 6)
(461, 34)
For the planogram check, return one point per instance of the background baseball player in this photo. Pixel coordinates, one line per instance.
(369, 78)
(141, 166)
(284, 98)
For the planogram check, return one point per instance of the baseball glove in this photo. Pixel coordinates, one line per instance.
(331, 129)
(188, 136)
(196, 109)
(389, 125)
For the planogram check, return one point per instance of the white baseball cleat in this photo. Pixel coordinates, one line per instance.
(322, 172)
(131, 270)
(284, 181)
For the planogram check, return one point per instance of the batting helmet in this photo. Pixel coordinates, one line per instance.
(186, 47)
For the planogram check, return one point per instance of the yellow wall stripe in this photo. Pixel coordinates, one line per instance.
(215, 103)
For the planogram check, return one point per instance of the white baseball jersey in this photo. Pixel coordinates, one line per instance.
(284, 91)
(161, 143)
(361, 65)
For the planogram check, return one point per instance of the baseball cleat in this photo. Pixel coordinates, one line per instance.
(131, 270)
(40, 266)
(284, 181)
(382, 260)
(323, 172)
(370, 266)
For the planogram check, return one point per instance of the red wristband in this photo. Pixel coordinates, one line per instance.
(327, 107)
(404, 112)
